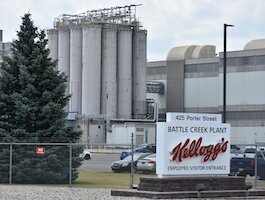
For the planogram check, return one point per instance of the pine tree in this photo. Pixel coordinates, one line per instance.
(32, 101)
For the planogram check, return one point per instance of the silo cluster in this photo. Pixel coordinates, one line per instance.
(103, 54)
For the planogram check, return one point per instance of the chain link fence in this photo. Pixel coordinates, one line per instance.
(259, 156)
(39, 160)
(249, 161)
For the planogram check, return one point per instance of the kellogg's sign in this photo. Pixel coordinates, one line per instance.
(193, 148)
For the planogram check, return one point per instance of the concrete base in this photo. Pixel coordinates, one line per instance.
(174, 184)
(185, 187)
(241, 194)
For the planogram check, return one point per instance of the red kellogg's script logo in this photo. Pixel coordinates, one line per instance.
(195, 149)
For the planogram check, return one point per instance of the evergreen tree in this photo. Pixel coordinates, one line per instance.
(32, 101)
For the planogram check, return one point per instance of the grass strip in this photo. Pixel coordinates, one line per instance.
(107, 179)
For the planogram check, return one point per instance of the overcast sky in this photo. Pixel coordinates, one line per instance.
(169, 23)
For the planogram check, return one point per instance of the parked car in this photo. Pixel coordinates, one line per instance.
(144, 148)
(249, 151)
(236, 153)
(246, 166)
(147, 164)
(234, 147)
(125, 164)
(240, 166)
(86, 154)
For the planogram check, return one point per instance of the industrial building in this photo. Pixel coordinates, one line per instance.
(191, 80)
(103, 54)
(115, 92)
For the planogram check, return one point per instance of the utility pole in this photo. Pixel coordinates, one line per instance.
(224, 74)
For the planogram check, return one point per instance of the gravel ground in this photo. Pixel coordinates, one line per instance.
(29, 192)
(26, 192)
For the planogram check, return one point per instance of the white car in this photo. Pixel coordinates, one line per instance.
(86, 154)
(147, 164)
(249, 151)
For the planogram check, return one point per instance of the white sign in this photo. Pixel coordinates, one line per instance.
(40, 150)
(193, 148)
(194, 117)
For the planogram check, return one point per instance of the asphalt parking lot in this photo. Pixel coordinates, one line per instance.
(100, 162)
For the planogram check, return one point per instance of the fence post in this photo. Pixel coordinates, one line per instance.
(256, 164)
(132, 167)
(70, 165)
(10, 163)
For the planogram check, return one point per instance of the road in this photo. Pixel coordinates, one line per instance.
(100, 162)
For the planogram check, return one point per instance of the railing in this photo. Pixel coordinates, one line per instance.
(107, 148)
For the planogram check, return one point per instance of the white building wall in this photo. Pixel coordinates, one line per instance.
(122, 133)
(151, 134)
(201, 92)
(96, 134)
(247, 135)
(249, 87)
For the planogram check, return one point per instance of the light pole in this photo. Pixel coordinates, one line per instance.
(224, 72)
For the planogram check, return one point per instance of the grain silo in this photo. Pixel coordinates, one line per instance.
(103, 53)
(91, 75)
(64, 55)
(124, 74)
(109, 71)
(139, 82)
(53, 43)
(75, 73)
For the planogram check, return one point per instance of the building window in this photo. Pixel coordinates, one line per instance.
(197, 68)
(246, 115)
(260, 60)
(240, 61)
(156, 70)
(245, 61)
